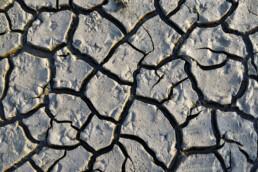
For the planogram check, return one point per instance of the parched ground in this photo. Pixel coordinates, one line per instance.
(129, 85)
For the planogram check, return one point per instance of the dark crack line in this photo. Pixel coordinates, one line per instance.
(134, 47)
(112, 20)
(7, 77)
(100, 152)
(179, 5)
(254, 167)
(98, 67)
(35, 166)
(230, 158)
(57, 4)
(245, 80)
(91, 163)
(250, 11)
(122, 119)
(55, 162)
(123, 149)
(115, 77)
(188, 119)
(251, 32)
(188, 71)
(235, 57)
(228, 108)
(63, 147)
(230, 141)
(2, 116)
(127, 36)
(146, 147)
(159, 80)
(202, 150)
(175, 51)
(171, 119)
(170, 94)
(26, 8)
(254, 77)
(221, 20)
(19, 116)
(9, 20)
(166, 20)
(84, 125)
(215, 127)
(164, 110)
(3, 33)
(86, 146)
(251, 52)
(85, 100)
(255, 124)
(242, 89)
(221, 160)
(175, 161)
(124, 165)
(95, 111)
(152, 43)
(25, 158)
(246, 155)
(213, 67)
(27, 133)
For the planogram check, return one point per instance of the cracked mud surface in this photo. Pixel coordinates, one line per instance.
(128, 85)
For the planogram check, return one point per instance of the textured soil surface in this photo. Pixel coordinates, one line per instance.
(129, 85)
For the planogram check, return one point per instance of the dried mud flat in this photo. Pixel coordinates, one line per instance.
(128, 85)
